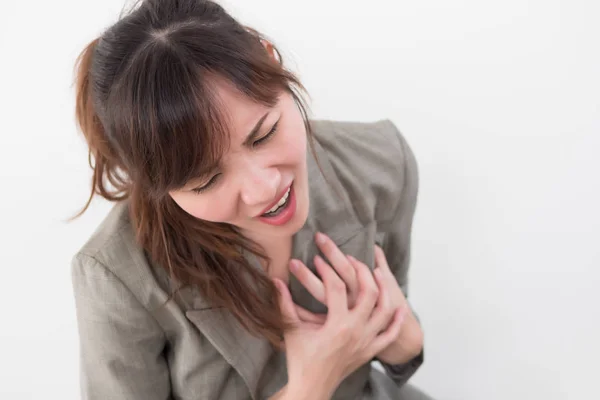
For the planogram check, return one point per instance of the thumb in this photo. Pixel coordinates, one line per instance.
(285, 301)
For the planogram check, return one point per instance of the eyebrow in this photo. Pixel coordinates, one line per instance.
(251, 137)
(254, 132)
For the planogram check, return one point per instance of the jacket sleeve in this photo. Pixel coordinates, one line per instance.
(120, 343)
(397, 242)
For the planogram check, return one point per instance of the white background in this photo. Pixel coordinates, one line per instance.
(500, 102)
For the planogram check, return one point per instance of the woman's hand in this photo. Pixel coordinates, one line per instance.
(320, 355)
(409, 341)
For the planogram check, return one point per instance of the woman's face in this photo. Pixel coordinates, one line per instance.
(257, 172)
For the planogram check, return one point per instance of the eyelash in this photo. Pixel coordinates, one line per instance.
(268, 136)
(212, 181)
(258, 142)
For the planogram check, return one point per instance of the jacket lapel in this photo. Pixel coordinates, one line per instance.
(246, 353)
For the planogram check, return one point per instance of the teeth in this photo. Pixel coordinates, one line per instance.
(280, 202)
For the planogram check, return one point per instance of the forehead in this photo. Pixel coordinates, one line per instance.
(240, 112)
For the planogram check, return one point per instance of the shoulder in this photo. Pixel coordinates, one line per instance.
(108, 235)
(111, 241)
(111, 259)
(371, 160)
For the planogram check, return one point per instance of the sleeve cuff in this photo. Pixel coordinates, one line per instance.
(401, 373)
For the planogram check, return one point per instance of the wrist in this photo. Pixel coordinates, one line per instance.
(398, 354)
(408, 345)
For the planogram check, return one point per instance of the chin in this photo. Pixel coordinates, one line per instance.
(302, 215)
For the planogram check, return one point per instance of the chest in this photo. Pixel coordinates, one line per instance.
(261, 370)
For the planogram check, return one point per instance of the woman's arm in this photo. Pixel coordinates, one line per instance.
(397, 249)
(306, 391)
(120, 342)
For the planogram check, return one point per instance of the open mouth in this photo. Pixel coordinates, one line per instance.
(283, 211)
(280, 206)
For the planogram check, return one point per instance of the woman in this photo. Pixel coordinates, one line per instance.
(223, 186)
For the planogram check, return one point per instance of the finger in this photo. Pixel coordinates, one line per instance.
(381, 261)
(386, 272)
(390, 335)
(308, 316)
(338, 260)
(321, 265)
(384, 309)
(335, 291)
(308, 279)
(286, 303)
(368, 291)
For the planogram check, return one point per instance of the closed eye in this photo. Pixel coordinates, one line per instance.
(207, 186)
(265, 138)
(257, 142)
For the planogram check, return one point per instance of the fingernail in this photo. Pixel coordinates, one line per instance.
(377, 273)
(321, 238)
(293, 265)
(350, 257)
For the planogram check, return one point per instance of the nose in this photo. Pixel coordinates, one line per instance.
(259, 185)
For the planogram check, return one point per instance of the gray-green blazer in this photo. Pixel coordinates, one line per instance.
(133, 349)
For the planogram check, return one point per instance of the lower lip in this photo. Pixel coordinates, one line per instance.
(286, 214)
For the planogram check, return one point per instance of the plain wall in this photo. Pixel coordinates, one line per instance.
(500, 103)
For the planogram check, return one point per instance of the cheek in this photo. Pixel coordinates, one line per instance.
(293, 149)
(207, 208)
(293, 140)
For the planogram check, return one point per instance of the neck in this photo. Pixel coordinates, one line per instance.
(279, 251)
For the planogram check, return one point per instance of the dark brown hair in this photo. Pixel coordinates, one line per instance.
(146, 104)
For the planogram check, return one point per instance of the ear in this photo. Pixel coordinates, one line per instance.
(269, 46)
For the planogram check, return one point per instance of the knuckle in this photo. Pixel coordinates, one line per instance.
(374, 297)
(386, 305)
(361, 265)
(355, 335)
(381, 308)
(383, 295)
(346, 269)
(372, 292)
(363, 273)
(344, 331)
(390, 311)
(371, 282)
(389, 304)
(338, 285)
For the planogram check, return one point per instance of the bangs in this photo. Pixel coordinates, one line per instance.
(171, 111)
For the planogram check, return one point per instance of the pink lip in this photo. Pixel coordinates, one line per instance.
(286, 214)
(275, 202)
